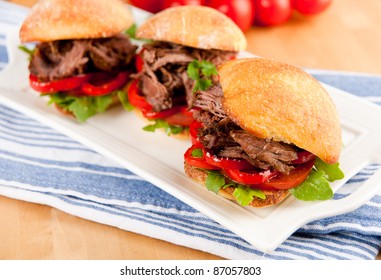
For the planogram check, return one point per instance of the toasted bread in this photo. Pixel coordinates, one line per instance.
(51, 20)
(278, 101)
(194, 26)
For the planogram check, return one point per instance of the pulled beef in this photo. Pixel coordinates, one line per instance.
(171, 58)
(165, 66)
(226, 139)
(158, 92)
(111, 54)
(65, 58)
(211, 100)
(215, 132)
(265, 151)
(59, 59)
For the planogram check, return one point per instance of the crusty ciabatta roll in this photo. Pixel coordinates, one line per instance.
(52, 20)
(265, 130)
(186, 44)
(82, 58)
(286, 104)
(194, 26)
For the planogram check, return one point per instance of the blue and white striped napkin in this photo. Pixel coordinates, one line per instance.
(41, 165)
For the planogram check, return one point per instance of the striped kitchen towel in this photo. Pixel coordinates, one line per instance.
(41, 165)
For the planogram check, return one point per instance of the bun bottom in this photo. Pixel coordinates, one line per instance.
(272, 197)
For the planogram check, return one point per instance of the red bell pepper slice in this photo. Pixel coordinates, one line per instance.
(297, 176)
(139, 63)
(249, 177)
(102, 83)
(137, 100)
(177, 115)
(193, 132)
(58, 85)
(198, 162)
(227, 163)
(183, 117)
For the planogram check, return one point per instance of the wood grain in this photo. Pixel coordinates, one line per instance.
(345, 37)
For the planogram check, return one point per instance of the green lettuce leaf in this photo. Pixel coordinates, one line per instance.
(162, 124)
(315, 187)
(245, 195)
(214, 181)
(123, 97)
(332, 171)
(82, 107)
(197, 153)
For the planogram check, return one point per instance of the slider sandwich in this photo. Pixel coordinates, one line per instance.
(186, 43)
(264, 130)
(81, 58)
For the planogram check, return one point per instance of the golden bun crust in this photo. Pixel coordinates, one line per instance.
(194, 26)
(281, 102)
(51, 20)
(272, 197)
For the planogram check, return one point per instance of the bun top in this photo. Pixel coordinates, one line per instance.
(281, 102)
(51, 20)
(194, 26)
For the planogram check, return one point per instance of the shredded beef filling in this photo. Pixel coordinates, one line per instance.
(65, 58)
(164, 75)
(225, 138)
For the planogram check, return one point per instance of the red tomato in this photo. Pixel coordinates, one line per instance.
(177, 115)
(58, 85)
(104, 83)
(152, 6)
(172, 3)
(93, 84)
(139, 64)
(296, 177)
(240, 11)
(310, 7)
(162, 114)
(227, 163)
(249, 177)
(193, 132)
(136, 99)
(198, 162)
(182, 118)
(272, 12)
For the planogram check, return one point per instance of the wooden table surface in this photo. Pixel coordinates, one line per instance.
(345, 37)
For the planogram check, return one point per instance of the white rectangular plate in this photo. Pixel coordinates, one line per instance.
(158, 158)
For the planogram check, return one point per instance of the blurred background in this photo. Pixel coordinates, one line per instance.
(329, 34)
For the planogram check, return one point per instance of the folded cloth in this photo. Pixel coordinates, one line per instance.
(41, 165)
